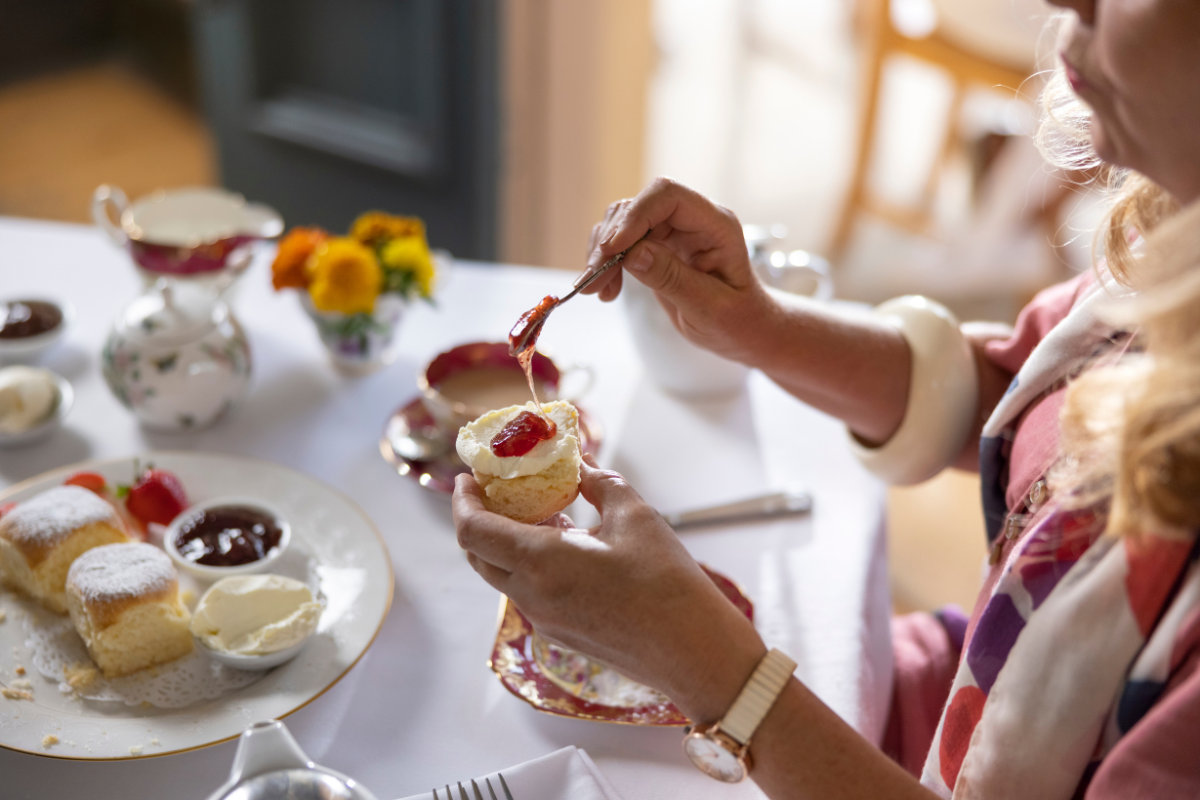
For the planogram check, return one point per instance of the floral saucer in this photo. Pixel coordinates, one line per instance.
(416, 446)
(568, 684)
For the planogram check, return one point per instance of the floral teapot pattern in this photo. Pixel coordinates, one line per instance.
(177, 357)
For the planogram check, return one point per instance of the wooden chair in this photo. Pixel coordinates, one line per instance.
(965, 46)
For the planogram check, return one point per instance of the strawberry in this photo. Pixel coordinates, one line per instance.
(157, 496)
(92, 481)
(6, 507)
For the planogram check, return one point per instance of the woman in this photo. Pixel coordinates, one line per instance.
(1079, 672)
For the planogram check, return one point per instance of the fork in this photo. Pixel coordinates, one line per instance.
(475, 788)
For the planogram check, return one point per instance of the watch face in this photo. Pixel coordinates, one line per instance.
(711, 757)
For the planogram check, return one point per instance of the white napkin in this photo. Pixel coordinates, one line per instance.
(567, 774)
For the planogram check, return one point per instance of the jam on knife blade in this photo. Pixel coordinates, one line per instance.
(522, 339)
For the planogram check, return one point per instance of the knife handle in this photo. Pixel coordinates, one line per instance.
(775, 504)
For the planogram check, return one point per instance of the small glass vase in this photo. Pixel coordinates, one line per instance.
(359, 343)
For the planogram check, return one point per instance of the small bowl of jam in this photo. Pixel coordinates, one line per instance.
(29, 326)
(227, 536)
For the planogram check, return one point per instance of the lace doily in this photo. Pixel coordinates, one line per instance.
(58, 649)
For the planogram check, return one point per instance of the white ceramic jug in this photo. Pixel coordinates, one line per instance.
(689, 371)
(670, 360)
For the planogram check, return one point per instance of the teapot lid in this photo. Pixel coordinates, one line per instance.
(298, 784)
(172, 313)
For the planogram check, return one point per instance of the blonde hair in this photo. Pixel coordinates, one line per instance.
(1131, 432)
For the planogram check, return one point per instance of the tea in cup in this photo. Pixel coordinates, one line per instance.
(197, 232)
(466, 382)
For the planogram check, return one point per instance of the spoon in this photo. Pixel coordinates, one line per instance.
(590, 279)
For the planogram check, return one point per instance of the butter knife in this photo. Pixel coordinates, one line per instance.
(776, 504)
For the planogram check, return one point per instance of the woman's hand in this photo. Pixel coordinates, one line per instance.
(626, 593)
(694, 257)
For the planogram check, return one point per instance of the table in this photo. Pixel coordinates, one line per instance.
(421, 708)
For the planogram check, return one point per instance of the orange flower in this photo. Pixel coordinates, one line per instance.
(288, 271)
(375, 228)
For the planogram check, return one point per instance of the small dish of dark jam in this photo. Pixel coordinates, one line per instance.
(227, 536)
(24, 319)
(29, 326)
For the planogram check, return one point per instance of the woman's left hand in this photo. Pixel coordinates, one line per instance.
(626, 592)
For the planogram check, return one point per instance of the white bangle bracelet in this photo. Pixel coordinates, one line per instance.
(943, 393)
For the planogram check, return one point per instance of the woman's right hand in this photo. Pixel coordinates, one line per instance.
(694, 257)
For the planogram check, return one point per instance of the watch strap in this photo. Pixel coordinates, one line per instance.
(757, 696)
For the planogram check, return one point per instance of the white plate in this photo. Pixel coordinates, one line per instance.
(356, 578)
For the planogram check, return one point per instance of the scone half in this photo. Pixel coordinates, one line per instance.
(530, 488)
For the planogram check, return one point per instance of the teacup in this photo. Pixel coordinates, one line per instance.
(197, 232)
(467, 381)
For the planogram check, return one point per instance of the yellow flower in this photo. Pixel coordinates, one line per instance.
(374, 228)
(344, 277)
(410, 254)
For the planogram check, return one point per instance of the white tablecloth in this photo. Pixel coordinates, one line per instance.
(422, 708)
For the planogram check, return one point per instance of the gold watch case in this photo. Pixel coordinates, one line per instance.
(717, 754)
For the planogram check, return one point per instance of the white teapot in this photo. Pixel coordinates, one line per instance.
(269, 765)
(177, 357)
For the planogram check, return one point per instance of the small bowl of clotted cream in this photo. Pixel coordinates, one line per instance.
(255, 622)
(33, 404)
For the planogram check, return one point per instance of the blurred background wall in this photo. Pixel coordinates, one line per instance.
(575, 82)
(881, 133)
(890, 136)
(94, 91)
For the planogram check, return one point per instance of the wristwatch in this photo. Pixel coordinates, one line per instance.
(722, 750)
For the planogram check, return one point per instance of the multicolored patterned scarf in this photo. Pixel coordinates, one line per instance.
(1075, 343)
(1072, 649)
(1074, 644)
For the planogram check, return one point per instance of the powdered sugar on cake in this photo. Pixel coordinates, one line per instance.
(121, 571)
(51, 516)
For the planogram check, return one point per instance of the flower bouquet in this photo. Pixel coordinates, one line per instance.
(355, 288)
